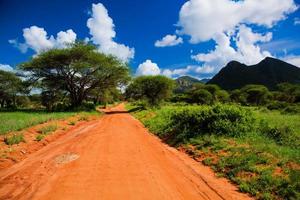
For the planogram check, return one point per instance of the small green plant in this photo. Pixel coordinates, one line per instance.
(14, 139)
(72, 123)
(40, 137)
(207, 161)
(48, 129)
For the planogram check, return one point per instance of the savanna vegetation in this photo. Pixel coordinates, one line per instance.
(249, 135)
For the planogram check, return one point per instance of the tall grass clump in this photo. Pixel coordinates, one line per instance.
(48, 129)
(14, 139)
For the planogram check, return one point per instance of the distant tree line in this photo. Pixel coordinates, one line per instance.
(286, 96)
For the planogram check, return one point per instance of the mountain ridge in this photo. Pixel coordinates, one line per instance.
(268, 72)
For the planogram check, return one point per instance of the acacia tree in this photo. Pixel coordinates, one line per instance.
(77, 71)
(10, 86)
(153, 89)
(256, 94)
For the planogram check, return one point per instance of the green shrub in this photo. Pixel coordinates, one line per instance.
(40, 137)
(201, 96)
(14, 139)
(219, 119)
(178, 124)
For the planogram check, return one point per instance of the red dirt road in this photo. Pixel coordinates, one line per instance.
(113, 158)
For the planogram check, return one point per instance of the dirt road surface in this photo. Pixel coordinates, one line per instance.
(112, 158)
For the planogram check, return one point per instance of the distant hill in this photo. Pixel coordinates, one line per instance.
(185, 82)
(268, 72)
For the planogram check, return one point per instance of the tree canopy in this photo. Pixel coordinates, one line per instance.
(153, 89)
(76, 72)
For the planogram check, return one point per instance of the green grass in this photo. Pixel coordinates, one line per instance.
(263, 160)
(15, 121)
(276, 118)
(14, 139)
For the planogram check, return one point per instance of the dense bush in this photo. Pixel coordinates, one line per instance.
(201, 96)
(206, 94)
(179, 124)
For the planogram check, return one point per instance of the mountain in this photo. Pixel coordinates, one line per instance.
(185, 82)
(268, 72)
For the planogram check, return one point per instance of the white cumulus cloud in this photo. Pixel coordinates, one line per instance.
(202, 20)
(37, 39)
(247, 50)
(102, 29)
(168, 40)
(5, 67)
(148, 68)
(64, 38)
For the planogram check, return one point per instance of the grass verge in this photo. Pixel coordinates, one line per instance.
(16, 121)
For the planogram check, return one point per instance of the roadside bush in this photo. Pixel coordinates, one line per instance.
(220, 120)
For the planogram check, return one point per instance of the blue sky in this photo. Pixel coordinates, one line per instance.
(203, 35)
